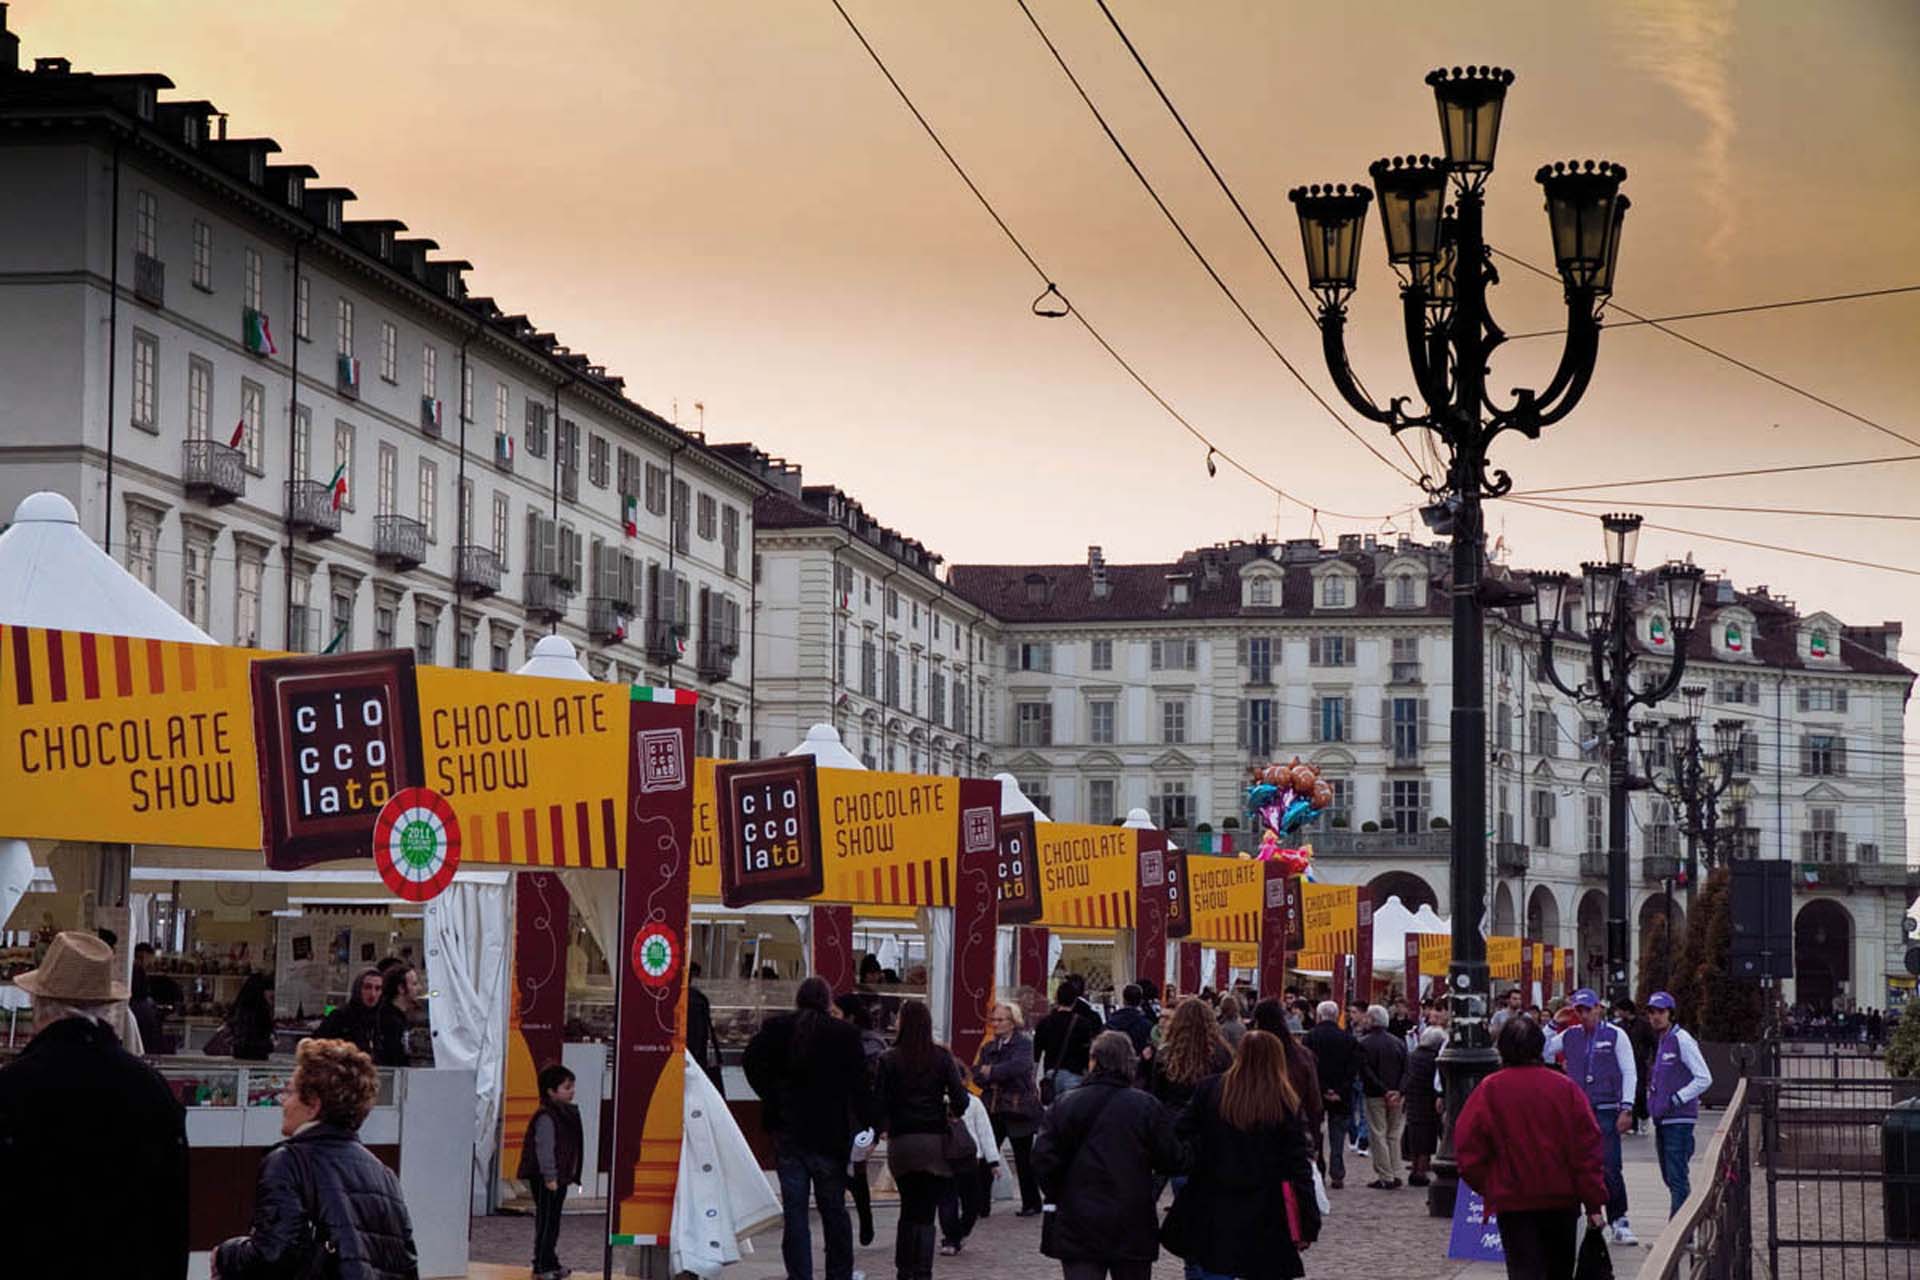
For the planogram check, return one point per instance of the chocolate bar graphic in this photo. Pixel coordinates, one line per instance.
(768, 813)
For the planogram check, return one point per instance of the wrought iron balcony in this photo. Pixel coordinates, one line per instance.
(430, 416)
(665, 640)
(1390, 844)
(1828, 875)
(400, 541)
(149, 280)
(1887, 874)
(547, 595)
(1511, 858)
(1739, 842)
(347, 377)
(214, 473)
(1404, 673)
(502, 451)
(1593, 864)
(1657, 868)
(476, 570)
(716, 660)
(607, 617)
(310, 509)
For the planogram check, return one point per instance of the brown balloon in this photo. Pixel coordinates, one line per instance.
(1303, 776)
(1322, 795)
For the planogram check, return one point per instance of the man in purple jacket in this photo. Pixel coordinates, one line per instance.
(1679, 1077)
(1599, 1058)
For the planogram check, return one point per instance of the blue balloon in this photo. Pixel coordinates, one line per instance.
(1297, 813)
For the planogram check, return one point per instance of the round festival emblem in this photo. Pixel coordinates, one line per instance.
(656, 955)
(416, 843)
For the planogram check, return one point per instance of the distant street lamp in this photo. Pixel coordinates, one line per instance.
(1693, 779)
(1439, 252)
(1612, 657)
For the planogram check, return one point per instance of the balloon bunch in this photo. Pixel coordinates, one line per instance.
(1282, 799)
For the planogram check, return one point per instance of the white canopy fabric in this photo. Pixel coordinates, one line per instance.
(1014, 800)
(823, 744)
(53, 575)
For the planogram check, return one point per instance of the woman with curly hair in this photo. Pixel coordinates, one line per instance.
(1192, 1050)
(325, 1204)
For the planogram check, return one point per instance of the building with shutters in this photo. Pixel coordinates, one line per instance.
(1157, 685)
(201, 336)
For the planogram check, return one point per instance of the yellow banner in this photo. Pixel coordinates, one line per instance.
(536, 770)
(1243, 957)
(141, 741)
(1503, 958)
(1331, 914)
(1226, 895)
(1541, 952)
(1436, 954)
(705, 877)
(888, 837)
(1314, 961)
(1089, 877)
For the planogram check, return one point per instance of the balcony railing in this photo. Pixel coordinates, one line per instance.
(1889, 874)
(547, 596)
(213, 472)
(430, 416)
(1828, 875)
(1399, 844)
(607, 617)
(1657, 868)
(1511, 858)
(400, 540)
(665, 640)
(476, 570)
(310, 509)
(1404, 673)
(1260, 677)
(1593, 864)
(503, 451)
(149, 280)
(347, 377)
(716, 660)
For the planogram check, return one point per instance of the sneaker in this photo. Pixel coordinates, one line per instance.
(949, 1250)
(1623, 1234)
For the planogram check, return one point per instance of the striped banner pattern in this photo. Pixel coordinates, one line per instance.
(43, 666)
(926, 883)
(585, 833)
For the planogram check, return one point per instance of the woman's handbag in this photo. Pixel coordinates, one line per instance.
(1594, 1263)
(958, 1148)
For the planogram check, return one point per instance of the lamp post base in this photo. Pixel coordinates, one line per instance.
(1468, 1059)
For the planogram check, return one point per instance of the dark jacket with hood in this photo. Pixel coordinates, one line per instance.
(325, 1206)
(1096, 1158)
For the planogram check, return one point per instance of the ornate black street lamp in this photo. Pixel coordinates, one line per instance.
(1609, 589)
(1693, 779)
(1439, 253)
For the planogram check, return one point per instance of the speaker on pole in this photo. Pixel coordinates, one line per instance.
(1760, 904)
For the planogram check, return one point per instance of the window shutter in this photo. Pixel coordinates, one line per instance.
(1803, 697)
(1240, 651)
(1313, 716)
(1153, 655)
(1313, 651)
(1840, 757)
(1245, 716)
(1046, 724)
(1839, 699)
(1806, 755)
(1190, 655)
(1806, 846)
(1423, 725)
(1013, 657)
(1386, 722)
(1426, 801)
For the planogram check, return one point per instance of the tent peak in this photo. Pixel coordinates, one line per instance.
(45, 508)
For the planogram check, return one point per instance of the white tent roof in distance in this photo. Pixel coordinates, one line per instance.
(554, 657)
(53, 575)
(1014, 800)
(823, 744)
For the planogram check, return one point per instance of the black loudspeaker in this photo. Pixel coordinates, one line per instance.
(1760, 904)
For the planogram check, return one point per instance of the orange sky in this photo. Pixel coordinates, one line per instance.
(724, 202)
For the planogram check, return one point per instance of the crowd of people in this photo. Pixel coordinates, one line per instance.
(1247, 1109)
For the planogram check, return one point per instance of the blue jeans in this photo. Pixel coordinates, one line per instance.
(802, 1171)
(1357, 1115)
(1675, 1143)
(1065, 1082)
(1607, 1118)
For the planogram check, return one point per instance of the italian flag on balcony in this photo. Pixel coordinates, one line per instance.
(258, 333)
(630, 515)
(338, 485)
(1736, 639)
(1657, 629)
(1817, 644)
(239, 434)
(437, 407)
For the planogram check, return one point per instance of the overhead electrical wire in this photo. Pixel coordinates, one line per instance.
(1714, 475)
(1200, 256)
(1735, 361)
(1758, 511)
(1729, 311)
(1092, 332)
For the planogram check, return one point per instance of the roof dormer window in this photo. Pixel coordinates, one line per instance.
(1260, 592)
(1036, 589)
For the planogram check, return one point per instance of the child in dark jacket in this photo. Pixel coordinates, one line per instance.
(550, 1161)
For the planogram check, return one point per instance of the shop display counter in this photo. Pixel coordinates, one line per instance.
(421, 1127)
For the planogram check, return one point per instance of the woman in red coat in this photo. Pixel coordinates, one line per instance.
(1528, 1143)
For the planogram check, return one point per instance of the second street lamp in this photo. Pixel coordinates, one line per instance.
(1608, 683)
(1440, 255)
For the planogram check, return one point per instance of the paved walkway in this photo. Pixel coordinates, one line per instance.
(1381, 1235)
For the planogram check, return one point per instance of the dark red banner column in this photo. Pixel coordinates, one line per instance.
(1413, 969)
(1363, 946)
(976, 920)
(1150, 913)
(1030, 946)
(1280, 925)
(1338, 980)
(1222, 970)
(1189, 968)
(538, 1012)
(649, 1056)
(833, 958)
(1526, 971)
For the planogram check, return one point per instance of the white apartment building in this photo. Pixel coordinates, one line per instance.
(198, 338)
(858, 630)
(1157, 685)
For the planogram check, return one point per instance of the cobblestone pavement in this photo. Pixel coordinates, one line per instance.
(1380, 1235)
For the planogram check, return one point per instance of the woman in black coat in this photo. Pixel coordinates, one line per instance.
(1011, 1095)
(252, 1019)
(920, 1090)
(320, 1189)
(1423, 1104)
(1248, 1209)
(1099, 1156)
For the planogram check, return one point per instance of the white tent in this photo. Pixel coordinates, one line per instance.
(53, 575)
(823, 744)
(1014, 800)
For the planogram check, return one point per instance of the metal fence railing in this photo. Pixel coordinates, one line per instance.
(1712, 1235)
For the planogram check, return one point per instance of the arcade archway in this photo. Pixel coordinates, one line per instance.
(1504, 921)
(1543, 915)
(1590, 939)
(1413, 891)
(1822, 954)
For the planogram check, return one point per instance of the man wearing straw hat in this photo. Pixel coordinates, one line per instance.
(93, 1144)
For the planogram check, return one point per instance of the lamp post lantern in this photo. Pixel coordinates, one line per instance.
(1608, 589)
(1693, 778)
(1431, 210)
